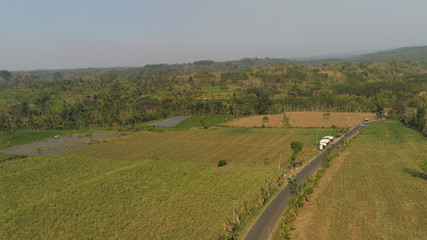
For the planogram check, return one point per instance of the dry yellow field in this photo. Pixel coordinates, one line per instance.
(305, 119)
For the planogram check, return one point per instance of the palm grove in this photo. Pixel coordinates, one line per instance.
(126, 97)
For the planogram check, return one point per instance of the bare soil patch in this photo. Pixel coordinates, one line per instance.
(305, 119)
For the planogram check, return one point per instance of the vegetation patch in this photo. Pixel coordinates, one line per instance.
(222, 162)
(208, 121)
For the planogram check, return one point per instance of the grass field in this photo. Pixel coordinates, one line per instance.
(7, 156)
(213, 120)
(149, 185)
(26, 136)
(305, 119)
(374, 190)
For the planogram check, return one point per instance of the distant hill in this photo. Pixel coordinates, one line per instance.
(405, 54)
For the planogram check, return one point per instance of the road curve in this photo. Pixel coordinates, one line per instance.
(266, 223)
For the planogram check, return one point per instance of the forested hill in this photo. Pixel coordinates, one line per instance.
(107, 97)
(405, 54)
(126, 100)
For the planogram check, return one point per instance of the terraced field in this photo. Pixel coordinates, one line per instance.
(376, 189)
(150, 185)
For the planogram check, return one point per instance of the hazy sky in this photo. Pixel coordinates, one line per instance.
(38, 34)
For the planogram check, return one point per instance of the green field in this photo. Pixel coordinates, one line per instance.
(213, 120)
(375, 189)
(149, 185)
(19, 137)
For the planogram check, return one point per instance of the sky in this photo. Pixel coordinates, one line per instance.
(63, 34)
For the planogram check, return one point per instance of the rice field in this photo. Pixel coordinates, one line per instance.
(375, 189)
(149, 185)
(305, 119)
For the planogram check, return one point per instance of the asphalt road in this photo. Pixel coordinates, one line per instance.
(170, 122)
(266, 223)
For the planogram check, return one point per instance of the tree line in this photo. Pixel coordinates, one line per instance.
(118, 99)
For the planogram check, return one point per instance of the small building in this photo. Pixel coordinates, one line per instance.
(385, 111)
(324, 142)
(331, 138)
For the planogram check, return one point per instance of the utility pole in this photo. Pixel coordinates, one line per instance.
(234, 210)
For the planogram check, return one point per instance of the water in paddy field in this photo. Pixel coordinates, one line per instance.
(61, 144)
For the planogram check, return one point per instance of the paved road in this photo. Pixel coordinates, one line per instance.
(264, 226)
(170, 122)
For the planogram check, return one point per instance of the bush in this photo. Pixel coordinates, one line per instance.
(285, 120)
(222, 162)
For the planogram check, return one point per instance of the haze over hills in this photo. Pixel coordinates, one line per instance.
(398, 54)
(411, 54)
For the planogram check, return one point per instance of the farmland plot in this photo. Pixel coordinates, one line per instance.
(149, 185)
(374, 190)
(305, 119)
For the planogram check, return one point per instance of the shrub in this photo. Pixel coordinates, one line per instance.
(286, 120)
(222, 162)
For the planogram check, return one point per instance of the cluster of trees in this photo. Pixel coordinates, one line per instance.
(125, 97)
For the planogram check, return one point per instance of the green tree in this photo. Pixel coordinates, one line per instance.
(6, 75)
(57, 76)
(296, 146)
(285, 120)
(222, 162)
(380, 103)
(202, 120)
(292, 160)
